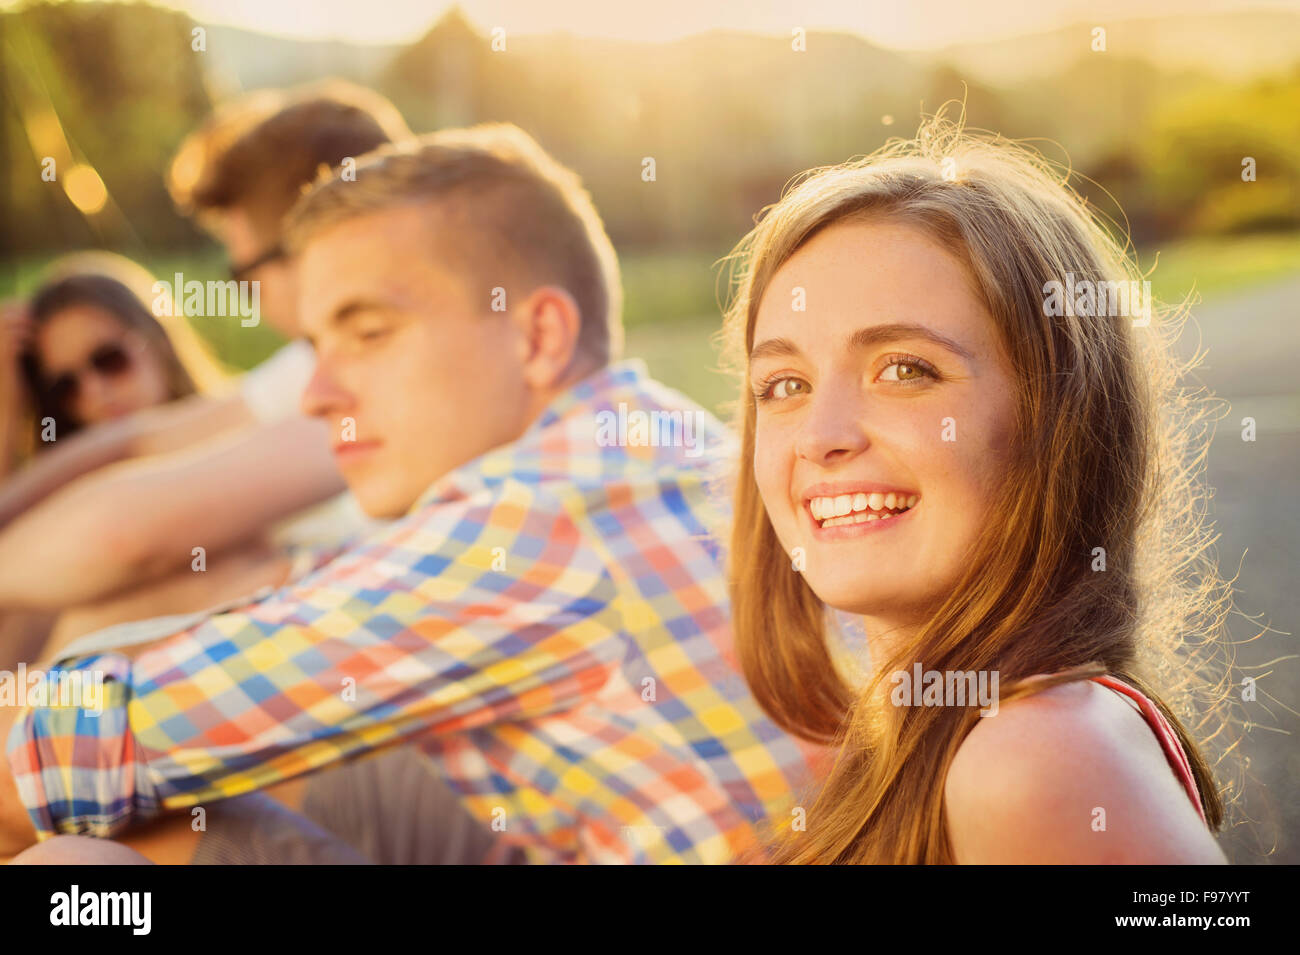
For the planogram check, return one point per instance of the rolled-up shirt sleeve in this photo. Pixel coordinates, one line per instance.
(75, 766)
(471, 612)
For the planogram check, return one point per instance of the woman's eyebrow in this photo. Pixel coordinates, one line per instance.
(879, 334)
(864, 338)
(774, 348)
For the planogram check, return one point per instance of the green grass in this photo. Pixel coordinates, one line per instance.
(669, 285)
(671, 309)
(1220, 265)
(681, 355)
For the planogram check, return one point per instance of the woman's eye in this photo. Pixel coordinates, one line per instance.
(781, 388)
(371, 334)
(906, 370)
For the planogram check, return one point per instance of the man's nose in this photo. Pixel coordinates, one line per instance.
(323, 395)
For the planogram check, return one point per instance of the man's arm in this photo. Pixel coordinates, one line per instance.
(411, 632)
(140, 519)
(157, 430)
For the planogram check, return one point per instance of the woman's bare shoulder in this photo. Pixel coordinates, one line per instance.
(1072, 774)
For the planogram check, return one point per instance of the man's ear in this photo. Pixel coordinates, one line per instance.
(550, 323)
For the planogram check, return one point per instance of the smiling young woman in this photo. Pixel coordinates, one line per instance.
(989, 487)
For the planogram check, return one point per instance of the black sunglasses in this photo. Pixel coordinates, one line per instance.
(240, 272)
(109, 360)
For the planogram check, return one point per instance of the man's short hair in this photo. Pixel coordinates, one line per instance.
(515, 215)
(261, 151)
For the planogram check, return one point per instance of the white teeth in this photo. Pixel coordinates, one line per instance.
(859, 518)
(859, 507)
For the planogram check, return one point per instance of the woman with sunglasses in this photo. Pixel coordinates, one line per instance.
(95, 350)
(84, 349)
(992, 486)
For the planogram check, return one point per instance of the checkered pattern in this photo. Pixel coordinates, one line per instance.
(548, 623)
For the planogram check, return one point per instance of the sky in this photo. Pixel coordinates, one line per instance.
(902, 24)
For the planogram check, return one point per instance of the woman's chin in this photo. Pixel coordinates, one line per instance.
(849, 596)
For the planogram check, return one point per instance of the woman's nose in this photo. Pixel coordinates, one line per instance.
(92, 397)
(834, 429)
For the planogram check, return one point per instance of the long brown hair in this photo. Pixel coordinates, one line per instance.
(1107, 456)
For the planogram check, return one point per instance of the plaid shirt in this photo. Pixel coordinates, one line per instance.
(548, 624)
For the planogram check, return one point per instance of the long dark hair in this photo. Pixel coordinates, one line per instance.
(117, 290)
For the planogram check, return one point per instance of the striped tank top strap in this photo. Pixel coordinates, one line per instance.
(1165, 733)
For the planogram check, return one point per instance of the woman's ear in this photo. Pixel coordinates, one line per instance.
(550, 324)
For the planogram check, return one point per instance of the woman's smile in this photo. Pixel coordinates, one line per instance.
(859, 523)
(843, 510)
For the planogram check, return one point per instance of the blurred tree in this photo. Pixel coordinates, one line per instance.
(440, 79)
(1192, 157)
(108, 86)
(728, 117)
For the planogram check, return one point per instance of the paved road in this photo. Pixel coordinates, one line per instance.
(1253, 343)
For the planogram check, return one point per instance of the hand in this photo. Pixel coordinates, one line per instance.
(17, 331)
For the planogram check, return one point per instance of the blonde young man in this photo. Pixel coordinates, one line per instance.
(545, 619)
